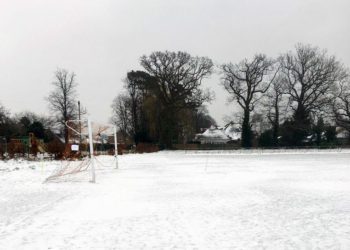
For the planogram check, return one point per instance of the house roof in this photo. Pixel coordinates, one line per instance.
(216, 133)
(229, 132)
(233, 131)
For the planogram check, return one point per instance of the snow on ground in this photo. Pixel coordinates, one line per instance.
(182, 200)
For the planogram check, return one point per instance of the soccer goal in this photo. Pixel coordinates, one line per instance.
(88, 142)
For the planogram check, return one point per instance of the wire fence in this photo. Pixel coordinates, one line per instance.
(235, 147)
(261, 151)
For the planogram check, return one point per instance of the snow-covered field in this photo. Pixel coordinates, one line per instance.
(179, 200)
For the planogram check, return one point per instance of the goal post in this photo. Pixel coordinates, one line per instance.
(91, 144)
(115, 146)
(97, 134)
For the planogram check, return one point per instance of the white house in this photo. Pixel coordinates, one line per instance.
(219, 135)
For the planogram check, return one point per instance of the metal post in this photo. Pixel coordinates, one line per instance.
(115, 146)
(79, 114)
(93, 177)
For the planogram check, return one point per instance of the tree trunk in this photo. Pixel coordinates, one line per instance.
(134, 121)
(301, 125)
(276, 125)
(246, 130)
(168, 126)
(66, 136)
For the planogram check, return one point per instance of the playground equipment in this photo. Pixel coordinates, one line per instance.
(26, 145)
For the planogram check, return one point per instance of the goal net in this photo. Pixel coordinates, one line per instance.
(92, 147)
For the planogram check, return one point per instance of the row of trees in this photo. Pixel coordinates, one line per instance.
(300, 92)
(300, 89)
(163, 104)
(22, 124)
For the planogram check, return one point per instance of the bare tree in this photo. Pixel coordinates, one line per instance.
(33, 117)
(4, 114)
(122, 115)
(179, 77)
(178, 80)
(341, 104)
(310, 74)
(5, 122)
(62, 100)
(138, 85)
(247, 81)
(133, 88)
(274, 103)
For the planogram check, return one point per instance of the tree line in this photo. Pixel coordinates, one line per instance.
(301, 93)
(304, 92)
(164, 103)
(63, 104)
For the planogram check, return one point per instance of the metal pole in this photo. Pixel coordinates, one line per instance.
(93, 177)
(115, 146)
(79, 114)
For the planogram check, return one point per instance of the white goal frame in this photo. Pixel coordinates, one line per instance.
(91, 144)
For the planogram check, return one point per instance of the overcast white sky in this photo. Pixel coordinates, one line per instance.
(100, 40)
